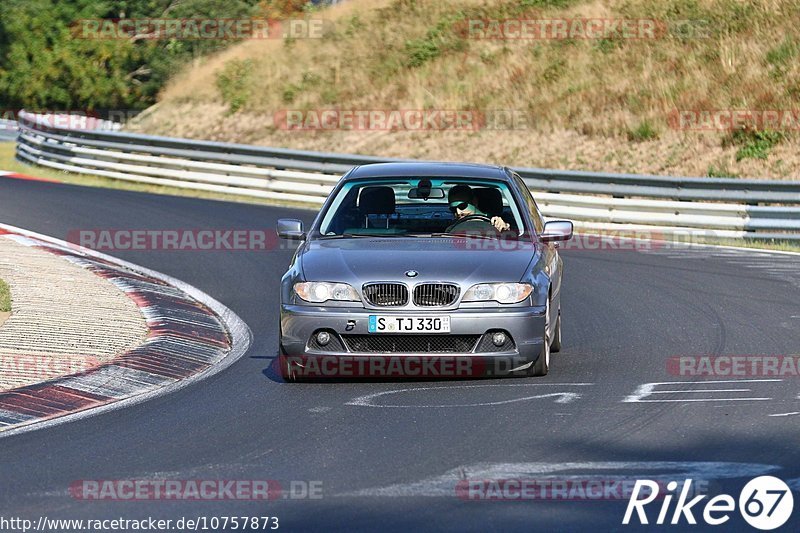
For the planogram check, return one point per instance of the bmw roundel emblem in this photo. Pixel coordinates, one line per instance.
(412, 273)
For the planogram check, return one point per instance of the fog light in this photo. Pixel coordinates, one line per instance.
(499, 339)
(323, 338)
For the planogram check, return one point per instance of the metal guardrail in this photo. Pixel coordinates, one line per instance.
(8, 130)
(719, 207)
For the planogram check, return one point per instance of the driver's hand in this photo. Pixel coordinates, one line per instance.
(500, 224)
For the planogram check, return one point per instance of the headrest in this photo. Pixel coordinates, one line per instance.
(490, 200)
(376, 201)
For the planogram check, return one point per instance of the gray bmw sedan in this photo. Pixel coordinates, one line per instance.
(423, 270)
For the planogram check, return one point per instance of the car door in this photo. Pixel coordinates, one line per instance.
(550, 250)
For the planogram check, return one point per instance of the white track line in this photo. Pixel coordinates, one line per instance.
(561, 397)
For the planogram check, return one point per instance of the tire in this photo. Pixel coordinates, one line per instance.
(542, 364)
(556, 344)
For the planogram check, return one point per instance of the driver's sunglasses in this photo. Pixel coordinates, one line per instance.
(462, 206)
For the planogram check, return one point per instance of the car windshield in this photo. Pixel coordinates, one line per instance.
(423, 207)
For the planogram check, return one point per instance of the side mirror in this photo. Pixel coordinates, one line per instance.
(557, 230)
(290, 228)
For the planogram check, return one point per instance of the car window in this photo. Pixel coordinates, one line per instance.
(389, 207)
(533, 209)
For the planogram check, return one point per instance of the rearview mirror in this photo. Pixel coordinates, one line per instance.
(557, 230)
(436, 193)
(290, 228)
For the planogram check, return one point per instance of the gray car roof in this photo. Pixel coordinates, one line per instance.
(428, 169)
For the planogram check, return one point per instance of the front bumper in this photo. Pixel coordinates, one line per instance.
(524, 325)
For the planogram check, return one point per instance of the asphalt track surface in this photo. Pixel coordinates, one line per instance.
(391, 468)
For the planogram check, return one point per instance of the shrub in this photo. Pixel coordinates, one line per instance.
(753, 143)
(233, 82)
(643, 132)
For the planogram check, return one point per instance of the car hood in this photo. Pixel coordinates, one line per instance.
(364, 259)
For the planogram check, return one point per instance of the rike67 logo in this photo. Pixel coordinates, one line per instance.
(765, 503)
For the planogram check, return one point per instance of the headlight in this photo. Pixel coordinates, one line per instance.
(322, 291)
(505, 293)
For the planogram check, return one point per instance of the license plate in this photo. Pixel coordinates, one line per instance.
(409, 324)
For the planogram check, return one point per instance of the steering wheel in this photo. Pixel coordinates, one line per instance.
(479, 220)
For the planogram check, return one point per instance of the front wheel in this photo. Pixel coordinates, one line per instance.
(542, 364)
(556, 345)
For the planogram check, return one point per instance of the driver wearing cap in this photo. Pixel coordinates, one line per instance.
(463, 204)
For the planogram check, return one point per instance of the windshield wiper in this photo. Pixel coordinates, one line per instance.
(416, 235)
(348, 235)
(467, 235)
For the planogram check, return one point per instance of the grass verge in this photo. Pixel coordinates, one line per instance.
(5, 297)
(777, 245)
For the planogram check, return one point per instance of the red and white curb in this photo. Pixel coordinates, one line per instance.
(18, 176)
(191, 337)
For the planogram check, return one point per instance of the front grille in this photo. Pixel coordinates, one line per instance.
(410, 343)
(435, 294)
(386, 294)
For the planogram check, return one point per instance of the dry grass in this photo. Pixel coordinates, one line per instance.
(5, 298)
(592, 104)
(781, 246)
